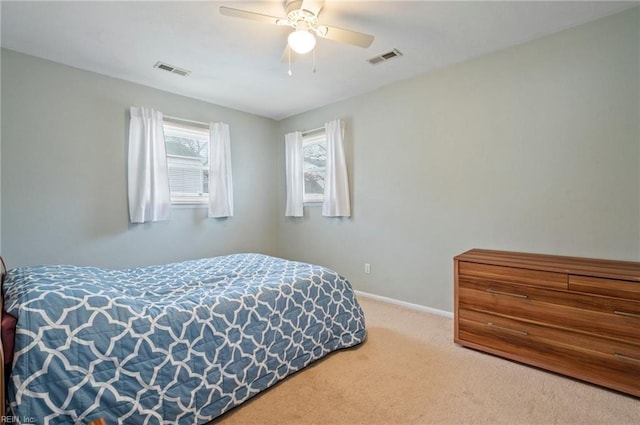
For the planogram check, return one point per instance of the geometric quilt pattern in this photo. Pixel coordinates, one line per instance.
(178, 343)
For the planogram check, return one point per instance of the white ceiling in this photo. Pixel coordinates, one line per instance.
(237, 63)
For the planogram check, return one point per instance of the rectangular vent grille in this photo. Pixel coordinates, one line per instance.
(173, 69)
(385, 57)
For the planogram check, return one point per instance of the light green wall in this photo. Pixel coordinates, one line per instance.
(534, 148)
(0, 146)
(63, 169)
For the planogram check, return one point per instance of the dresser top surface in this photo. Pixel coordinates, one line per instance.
(611, 269)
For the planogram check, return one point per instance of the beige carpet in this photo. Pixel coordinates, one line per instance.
(410, 372)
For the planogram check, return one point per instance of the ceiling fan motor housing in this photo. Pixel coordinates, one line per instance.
(295, 13)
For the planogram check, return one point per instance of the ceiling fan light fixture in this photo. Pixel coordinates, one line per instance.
(301, 40)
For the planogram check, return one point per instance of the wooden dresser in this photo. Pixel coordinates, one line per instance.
(575, 316)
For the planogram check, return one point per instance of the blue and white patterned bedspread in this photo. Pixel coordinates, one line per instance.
(172, 344)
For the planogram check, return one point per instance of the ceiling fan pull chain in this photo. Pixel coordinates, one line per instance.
(289, 50)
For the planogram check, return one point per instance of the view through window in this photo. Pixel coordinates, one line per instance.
(188, 162)
(314, 152)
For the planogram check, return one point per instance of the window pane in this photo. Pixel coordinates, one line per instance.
(314, 164)
(188, 147)
(185, 175)
(188, 162)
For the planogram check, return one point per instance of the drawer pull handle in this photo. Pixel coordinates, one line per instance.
(624, 313)
(509, 294)
(623, 357)
(492, 325)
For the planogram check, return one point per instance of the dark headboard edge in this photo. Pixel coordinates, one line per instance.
(3, 270)
(3, 273)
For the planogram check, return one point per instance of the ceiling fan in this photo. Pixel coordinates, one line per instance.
(302, 16)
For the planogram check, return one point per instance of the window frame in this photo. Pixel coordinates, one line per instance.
(315, 138)
(201, 133)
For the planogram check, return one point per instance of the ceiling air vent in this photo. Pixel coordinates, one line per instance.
(385, 57)
(173, 69)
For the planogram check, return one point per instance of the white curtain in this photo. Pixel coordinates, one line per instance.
(148, 178)
(220, 178)
(294, 176)
(336, 182)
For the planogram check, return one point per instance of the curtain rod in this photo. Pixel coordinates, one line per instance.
(184, 121)
(313, 130)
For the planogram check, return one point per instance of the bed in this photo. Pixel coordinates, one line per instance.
(178, 343)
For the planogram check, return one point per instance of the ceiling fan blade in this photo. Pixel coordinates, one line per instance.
(345, 36)
(313, 6)
(237, 13)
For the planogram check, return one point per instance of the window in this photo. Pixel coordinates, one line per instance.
(188, 162)
(314, 154)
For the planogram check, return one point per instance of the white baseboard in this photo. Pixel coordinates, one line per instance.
(405, 304)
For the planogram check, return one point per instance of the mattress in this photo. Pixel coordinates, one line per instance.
(179, 343)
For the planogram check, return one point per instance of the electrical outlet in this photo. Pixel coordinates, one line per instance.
(367, 268)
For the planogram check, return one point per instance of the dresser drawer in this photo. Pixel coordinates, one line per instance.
(609, 317)
(600, 360)
(513, 275)
(609, 287)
